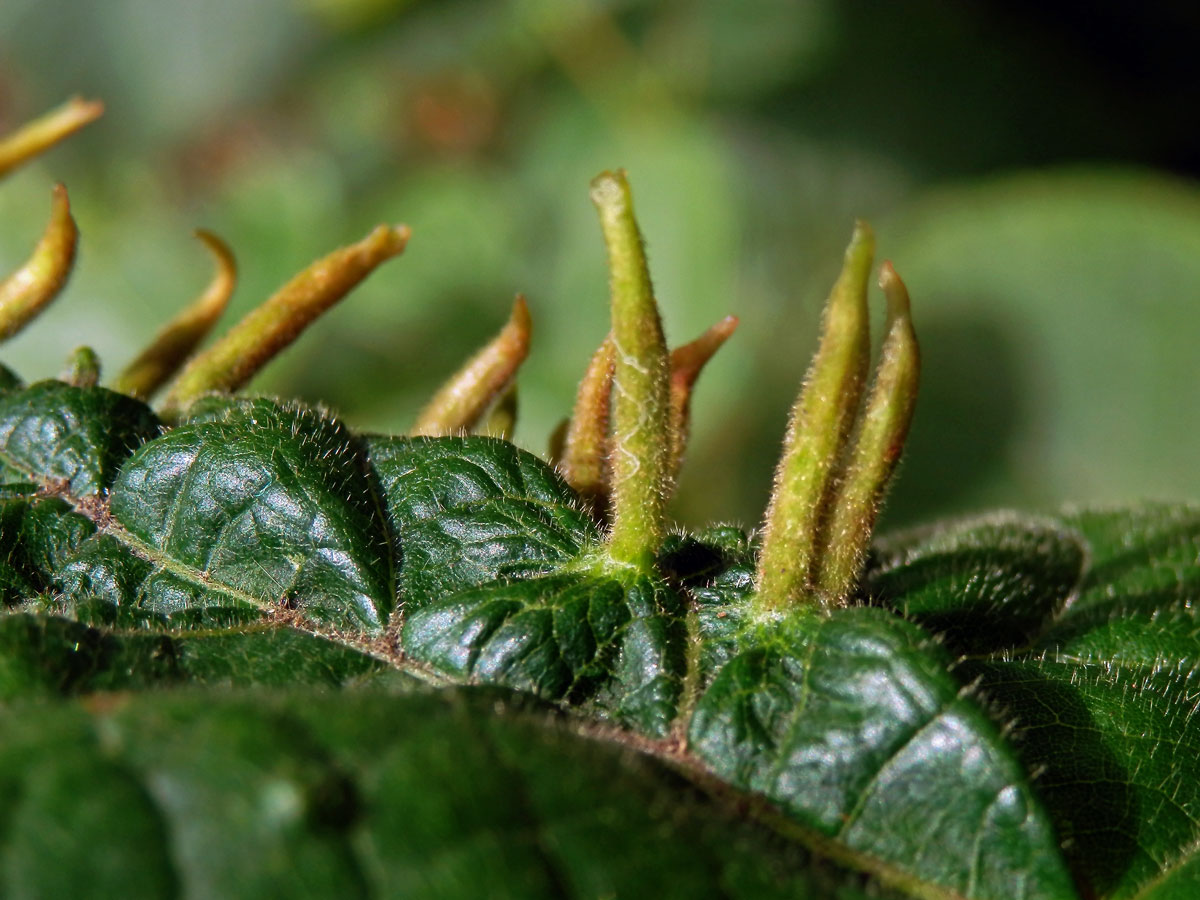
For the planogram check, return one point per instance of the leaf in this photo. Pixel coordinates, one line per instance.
(55, 432)
(985, 583)
(1106, 705)
(499, 587)
(44, 655)
(91, 616)
(36, 536)
(263, 544)
(613, 645)
(446, 794)
(266, 504)
(469, 510)
(1102, 693)
(853, 724)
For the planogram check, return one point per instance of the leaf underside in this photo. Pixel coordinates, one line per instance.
(1007, 711)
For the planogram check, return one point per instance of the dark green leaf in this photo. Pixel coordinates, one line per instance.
(855, 727)
(1106, 705)
(55, 432)
(105, 583)
(269, 505)
(420, 795)
(48, 655)
(497, 587)
(615, 644)
(984, 584)
(470, 510)
(36, 537)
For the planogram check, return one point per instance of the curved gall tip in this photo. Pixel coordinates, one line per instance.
(223, 282)
(389, 240)
(894, 290)
(520, 319)
(862, 242)
(83, 111)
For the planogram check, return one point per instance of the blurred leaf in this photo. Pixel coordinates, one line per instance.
(1057, 316)
(431, 795)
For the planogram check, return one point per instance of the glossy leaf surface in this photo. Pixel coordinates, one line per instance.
(56, 432)
(269, 505)
(1007, 710)
(469, 510)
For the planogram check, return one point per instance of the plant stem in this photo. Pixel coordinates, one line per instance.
(641, 404)
(875, 449)
(817, 433)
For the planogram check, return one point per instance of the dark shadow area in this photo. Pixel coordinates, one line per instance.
(960, 89)
(979, 599)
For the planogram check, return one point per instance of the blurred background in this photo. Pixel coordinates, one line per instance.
(1029, 166)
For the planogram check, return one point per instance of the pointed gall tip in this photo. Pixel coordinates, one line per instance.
(389, 240)
(84, 111)
(862, 244)
(894, 290)
(176, 341)
(62, 223)
(221, 253)
(39, 135)
(722, 330)
(461, 402)
(62, 229)
(688, 359)
(520, 318)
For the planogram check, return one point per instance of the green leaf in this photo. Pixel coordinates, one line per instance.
(263, 544)
(55, 432)
(42, 655)
(499, 586)
(418, 795)
(1105, 705)
(466, 511)
(854, 725)
(984, 584)
(269, 505)
(36, 536)
(1101, 692)
(613, 645)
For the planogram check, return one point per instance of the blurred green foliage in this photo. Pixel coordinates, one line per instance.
(1005, 154)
